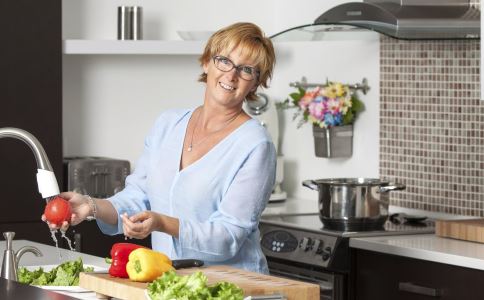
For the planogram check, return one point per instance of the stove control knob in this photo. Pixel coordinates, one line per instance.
(317, 246)
(326, 253)
(306, 244)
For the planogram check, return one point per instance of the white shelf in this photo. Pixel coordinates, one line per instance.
(160, 47)
(133, 47)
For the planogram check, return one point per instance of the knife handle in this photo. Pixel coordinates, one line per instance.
(186, 263)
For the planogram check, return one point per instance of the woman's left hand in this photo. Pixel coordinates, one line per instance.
(141, 225)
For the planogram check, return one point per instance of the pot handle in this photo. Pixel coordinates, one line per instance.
(311, 184)
(392, 187)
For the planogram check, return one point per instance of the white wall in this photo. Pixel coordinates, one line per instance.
(110, 101)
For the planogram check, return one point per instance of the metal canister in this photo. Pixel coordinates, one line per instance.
(136, 23)
(125, 22)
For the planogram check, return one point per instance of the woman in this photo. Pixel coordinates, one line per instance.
(206, 174)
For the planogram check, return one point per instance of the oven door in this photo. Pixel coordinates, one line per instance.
(331, 285)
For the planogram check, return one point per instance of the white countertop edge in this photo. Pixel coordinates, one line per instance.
(376, 245)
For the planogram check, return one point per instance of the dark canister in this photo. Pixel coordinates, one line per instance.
(353, 204)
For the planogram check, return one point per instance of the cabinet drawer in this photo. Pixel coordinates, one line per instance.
(383, 276)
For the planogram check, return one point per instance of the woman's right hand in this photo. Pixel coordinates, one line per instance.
(80, 209)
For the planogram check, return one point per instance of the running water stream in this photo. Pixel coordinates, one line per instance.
(63, 234)
(52, 234)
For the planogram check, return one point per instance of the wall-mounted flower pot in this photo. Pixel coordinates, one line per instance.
(333, 142)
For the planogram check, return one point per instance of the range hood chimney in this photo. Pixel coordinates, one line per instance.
(409, 19)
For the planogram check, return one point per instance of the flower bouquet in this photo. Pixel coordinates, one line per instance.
(332, 109)
(332, 105)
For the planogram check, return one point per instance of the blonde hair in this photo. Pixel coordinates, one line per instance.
(252, 42)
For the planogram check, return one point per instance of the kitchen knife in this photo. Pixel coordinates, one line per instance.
(177, 264)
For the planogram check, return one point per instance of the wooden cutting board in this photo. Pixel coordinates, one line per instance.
(468, 230)
(251, 283)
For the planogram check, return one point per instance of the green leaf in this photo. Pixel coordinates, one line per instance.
(172, 286)
(306, 115)
(348, 118)
(66, 273)
(357, 105)
(296, 96)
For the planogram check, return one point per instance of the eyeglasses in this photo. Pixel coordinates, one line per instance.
(224, 64)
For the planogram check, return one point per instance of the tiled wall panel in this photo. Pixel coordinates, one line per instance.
(432, 124)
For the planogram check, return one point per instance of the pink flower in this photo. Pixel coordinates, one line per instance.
(308, 98)
(317, 110)
(333, 105)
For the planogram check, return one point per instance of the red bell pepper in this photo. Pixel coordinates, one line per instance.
(119, 258)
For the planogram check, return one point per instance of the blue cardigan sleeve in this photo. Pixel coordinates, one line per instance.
(221, 236)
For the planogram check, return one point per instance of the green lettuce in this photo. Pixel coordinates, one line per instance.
(171, 286)
(65, 274)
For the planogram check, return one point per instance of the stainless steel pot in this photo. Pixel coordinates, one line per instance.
(353, 204)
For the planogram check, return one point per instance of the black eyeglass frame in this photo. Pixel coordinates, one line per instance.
(238, 68)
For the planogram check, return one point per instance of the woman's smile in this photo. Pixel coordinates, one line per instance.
(226, 86)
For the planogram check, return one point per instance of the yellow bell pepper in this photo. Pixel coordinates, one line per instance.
(146, 265)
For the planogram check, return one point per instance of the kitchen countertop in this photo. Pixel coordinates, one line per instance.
(426, 247)
(423, 246)
(51, 257)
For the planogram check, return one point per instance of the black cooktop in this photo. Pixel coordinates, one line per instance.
(311, 221)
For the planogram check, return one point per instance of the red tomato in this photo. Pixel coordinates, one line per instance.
(57, 211)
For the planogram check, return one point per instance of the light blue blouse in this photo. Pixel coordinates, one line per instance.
(217, 199)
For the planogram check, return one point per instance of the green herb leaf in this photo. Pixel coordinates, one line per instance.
(65, 274)
(172, 286)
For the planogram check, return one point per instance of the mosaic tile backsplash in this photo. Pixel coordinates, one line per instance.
(432, 124)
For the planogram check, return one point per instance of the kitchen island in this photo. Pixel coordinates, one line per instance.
(12, 290)
(252, 284)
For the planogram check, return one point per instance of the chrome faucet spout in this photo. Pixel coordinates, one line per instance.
(46, 181)
(32, 141)
(25, 249)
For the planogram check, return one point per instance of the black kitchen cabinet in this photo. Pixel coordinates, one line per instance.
(31, 99)
(384, 276)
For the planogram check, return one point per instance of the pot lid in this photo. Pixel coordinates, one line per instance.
(352, 181)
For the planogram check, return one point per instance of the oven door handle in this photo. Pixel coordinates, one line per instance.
(322, 285)
(419, 290)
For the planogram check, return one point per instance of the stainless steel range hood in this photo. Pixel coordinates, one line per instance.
(409, 19)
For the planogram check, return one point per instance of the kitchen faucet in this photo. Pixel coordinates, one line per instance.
(12, 258)
(46, 181)
(48, 187)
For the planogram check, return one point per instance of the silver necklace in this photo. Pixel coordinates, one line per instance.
(191, 145)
